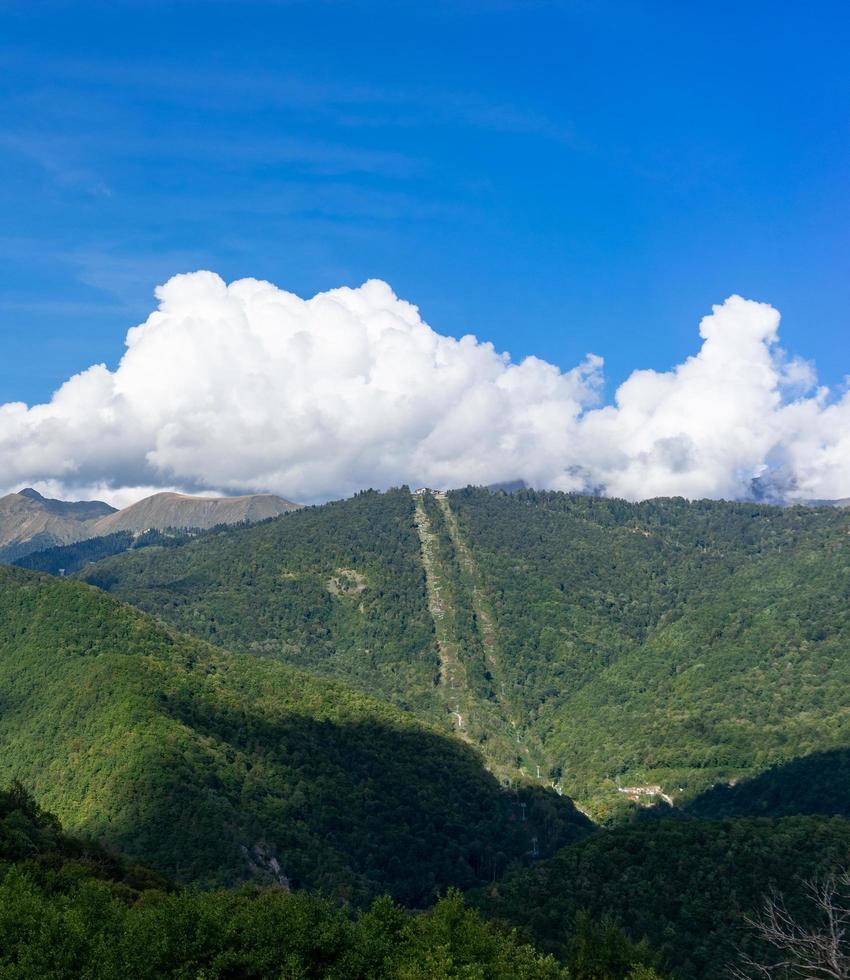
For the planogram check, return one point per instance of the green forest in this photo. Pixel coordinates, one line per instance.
(69, 908)
(337, 589)
(215, 768)
(666, 643)
(332, 725)
(687, 886)
(65, 559)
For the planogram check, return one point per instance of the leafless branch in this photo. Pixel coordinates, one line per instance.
(803, 952)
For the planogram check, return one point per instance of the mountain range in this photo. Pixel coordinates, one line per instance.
(30, 522)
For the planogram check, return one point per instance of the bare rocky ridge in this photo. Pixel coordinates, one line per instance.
(166, 510)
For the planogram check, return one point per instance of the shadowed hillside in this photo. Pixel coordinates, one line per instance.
(618, 650)
(685, 885)
(70, 909)
(215, 768)
(815, 784)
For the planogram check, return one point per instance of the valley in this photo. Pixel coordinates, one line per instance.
(424, 491)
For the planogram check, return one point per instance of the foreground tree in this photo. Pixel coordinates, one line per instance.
(803, 951)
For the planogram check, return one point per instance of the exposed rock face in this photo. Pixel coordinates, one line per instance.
(264, 866)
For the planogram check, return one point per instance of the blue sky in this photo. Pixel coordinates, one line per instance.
(557, 177)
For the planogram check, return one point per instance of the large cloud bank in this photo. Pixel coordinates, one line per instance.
(246, 387)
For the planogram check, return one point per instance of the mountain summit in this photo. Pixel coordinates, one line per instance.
(29, 521)
(164, 510)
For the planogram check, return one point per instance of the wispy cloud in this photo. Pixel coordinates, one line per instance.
(58, 158)
(61, 307)
(231, 90)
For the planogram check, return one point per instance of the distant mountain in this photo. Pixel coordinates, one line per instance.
(29, 522)
(176, 510)
(508, 486)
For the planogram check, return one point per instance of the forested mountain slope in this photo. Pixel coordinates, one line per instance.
(70, 909)
(624, 649)
(606, 645)
(69, 558)
(337, 589)
(687, 886)
(214, 767)
(813, 784)
(666, 643)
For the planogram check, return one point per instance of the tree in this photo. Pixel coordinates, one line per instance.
(804, 951)
(602, 951)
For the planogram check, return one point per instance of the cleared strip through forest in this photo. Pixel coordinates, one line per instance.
(484, 619)
(452, 680)
(470, 674)
(534, 764)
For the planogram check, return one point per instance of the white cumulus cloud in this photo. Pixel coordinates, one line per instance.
(246, 387)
